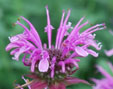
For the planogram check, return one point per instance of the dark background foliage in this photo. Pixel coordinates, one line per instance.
(96, 11)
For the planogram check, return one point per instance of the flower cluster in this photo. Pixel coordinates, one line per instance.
(105, 83)
(52, 65)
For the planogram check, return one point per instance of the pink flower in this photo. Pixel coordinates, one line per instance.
(104, 83)
(53, 63)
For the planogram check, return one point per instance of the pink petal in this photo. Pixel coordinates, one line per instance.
(109, 52)
(80, 51)
(73, 61)
(45, 55)
(52, 71)
(10, 46)
(48, 28)
(63, 29)
(94, 44)
(14, 51)
(59, 29)
(43, 65)
(38, 85)
(33, 31)
(18, 53)
(111, 66)
(107, 75)
(33, 65)
(73, 80)
(92, 52)
(14, 38)
(58, 86)
(76, 26)
(26, 61)
(62, 64)
(33, 76)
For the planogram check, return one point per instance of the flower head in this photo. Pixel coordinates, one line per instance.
(104, 83)
(51, 64)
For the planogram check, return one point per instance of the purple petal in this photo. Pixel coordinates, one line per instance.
(33, 31)
(111, 66)
(26, 61)
(64, 29)
(58, 86)
(62, 64)
(76, 26)
(30, 36)
(73, 61)
(45, 55)
(92, 52)
(109, 52)
(43, 65)
(38, 85)
(10, 46)
(14, 51)
(80, 51)
(73, 80)
(33, 65)
(33, 76)
(93, 27)
(18, 53)
(59, 29)
(94, 44)
(52, 70)
(13, 38)
(107, 75)
(53, 66)
(49, 27)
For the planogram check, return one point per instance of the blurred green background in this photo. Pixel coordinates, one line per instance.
(96, 11)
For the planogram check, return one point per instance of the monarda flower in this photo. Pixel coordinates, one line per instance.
(52, 66)
(104, 83)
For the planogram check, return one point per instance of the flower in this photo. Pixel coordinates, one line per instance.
(104, 83)
(51, 66)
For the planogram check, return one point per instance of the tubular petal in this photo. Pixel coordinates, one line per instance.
(76, 26)
(49, 27)
(104, 72)
(109, 52)
(80, 51)
(73, 80)
(59, 29)
(43, 65)
(33, 31)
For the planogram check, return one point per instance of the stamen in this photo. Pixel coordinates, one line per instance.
(24, 85)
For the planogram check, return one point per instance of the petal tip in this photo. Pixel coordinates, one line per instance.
(43, 65)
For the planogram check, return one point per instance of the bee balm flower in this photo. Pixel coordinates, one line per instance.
(104, 83)
(51, 66)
